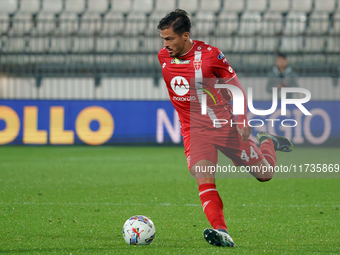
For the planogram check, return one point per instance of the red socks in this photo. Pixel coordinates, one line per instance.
(210, 199)
(268, 151)
(212, 205)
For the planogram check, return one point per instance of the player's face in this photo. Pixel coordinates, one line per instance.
(174, 43)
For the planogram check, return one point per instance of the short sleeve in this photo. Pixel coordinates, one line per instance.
(220, 66)
(222, 70)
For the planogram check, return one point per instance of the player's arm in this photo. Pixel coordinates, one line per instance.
(243, 129)
(227, 75)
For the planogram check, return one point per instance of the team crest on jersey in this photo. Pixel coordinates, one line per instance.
(197, 64)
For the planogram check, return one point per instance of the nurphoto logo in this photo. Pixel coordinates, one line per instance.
(238, 105)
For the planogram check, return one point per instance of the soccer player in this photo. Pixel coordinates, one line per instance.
(190, 69)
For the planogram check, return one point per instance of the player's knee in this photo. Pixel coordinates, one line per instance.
(264, 179)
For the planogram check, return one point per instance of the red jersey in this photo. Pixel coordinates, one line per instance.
(194, 73)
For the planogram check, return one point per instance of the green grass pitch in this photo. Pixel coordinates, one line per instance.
(75, 200)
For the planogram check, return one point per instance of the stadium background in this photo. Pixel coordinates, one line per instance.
(86, 71)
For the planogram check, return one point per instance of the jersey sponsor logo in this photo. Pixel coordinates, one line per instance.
(209, 48)
(180, 61)
(180, 85)
(199, 48)
(164, 65)
(221, 56)
(197, 64)
(230, 69)
(184, 99)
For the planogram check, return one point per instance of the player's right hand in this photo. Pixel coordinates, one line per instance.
(244, 132)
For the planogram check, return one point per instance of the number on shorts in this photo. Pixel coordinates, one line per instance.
(244, 156)
(253, 154)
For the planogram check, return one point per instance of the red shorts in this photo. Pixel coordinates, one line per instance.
(203, 144)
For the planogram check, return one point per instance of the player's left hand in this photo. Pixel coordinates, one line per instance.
(244, 132)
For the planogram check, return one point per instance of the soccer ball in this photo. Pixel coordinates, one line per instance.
(139, 230)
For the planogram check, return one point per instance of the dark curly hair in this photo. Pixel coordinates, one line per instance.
(179, 21)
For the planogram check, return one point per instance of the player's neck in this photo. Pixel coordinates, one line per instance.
(188, 46)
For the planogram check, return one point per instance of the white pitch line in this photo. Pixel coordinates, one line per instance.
(162, 204)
